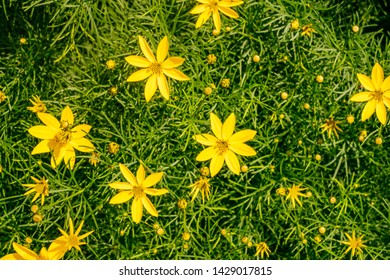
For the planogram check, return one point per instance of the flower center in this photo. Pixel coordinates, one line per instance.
(73, 241)
(377, 95)
(214, 4)
(63, 137)
(138, 191)
(156, 68)
(42, 187)
(222, 147)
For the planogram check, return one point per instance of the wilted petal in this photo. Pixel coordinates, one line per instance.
(369, 109)
(162, 49)
(149, 206)
(121, 197)
(146, 49)
(152, 179)
(228, 127)
(206, 154)
(361, 97)
(137, 61)
(232, 162)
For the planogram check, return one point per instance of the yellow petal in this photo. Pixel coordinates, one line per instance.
(216, 126)
(141, 174)
(67, 116)
(228, 127)
(79, 228)
(70, 157)
(369, 109)
(146, 49)
(242, 136)
(199, 9)
(57, 248)
(85, 235)
(82, 145)
(42, 147)
(229, 4)
(11, 257)
(377, 76)
(386, 101)
(172, 62)
(152, 179)
(163, 86)
(137, 61)
(80, 131)
(149, 206)
(139, 75)
(217, 20)
(232, 162)
(71, 227)
(229, 12)
(206, 139)
(162, 49)
(24, 252)
(176, 74)
(42, 132)
(58, 155)
(206, 154)
(121, 197)
(150, 87)
(242, 149)
(385, 87)
(216, 164)
(49, 120)
(203, 17)
(381, 112)
(366, 82)
(121, 186)
(361, 97)
(136, 210)
(129, 176)
(155, 192)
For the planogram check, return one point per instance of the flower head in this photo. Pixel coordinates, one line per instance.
(307, 30)
(38, 105)
(155, 68)
(60, 138)
(377, 96)
(295, 24)
(293, 194)
(94, 159)
(211, 59)
(41, 188)
(23, 253)
(110, 64)
(202, 186)
(213, 7)
(331, 126)
(225, 145)
(262, 249)
(3, 97)
(137, 187)
(355, 244)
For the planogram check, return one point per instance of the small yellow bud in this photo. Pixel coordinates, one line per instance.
(300, 142)
(223, 232)
(225, 83)
(122, 232)
(215, 32)
(110, 64)
(378, 141)
(245, 240)
(355, 28)
(309, 194)
(186, 246)
(306, 106)
(281, 191)
(284, 95)
(34, 208)
(156, 226)
(319, 79)
(295, 24)
(350, 119)
(249, 244)
(182, 204)
(322, 230)
(228, 29)
(23, 41)
(29, 240)
(113, 91)
(318, 239)
(332, 200)
(281, 116)
(304, 241)
(208, 90)
(113, 148)
(211, 59)
(186, 236)
(361, 138)
(160, 231)
(244, 168)
(318, 157)
(37, 218)
(256, 58)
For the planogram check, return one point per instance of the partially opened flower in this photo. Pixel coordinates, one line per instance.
(377, 96)
(262, 249)
(23, 253)
(137, 187)
(213, 7)
(355, 244)
(38, 105)
(225, 145)
(294, 193)
(156, 68)
(60, 138)
(41, 188)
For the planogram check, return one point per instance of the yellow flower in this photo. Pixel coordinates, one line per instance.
(213, 7)
(41, 187)
(155, 69)
(202, 186)
(225, 83)
(211, 59)
(355, 244)
(137, 187)
(294, 193)
(330, 126)
(23, 41)
(39, 106)
(262, 248)
(3, 97)
(307, 30)
(110, 64)
(378, 94)
(113, 148)
(60, 138)
(225, 145)
(68, 241)
(295, 24)
(94, 159)
(23, 253)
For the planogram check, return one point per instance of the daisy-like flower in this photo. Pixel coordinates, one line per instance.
(23, 253)
(156, 69)
(41, 187)
(67, 241)
(377, 96)
(60, 138)
(331, 126)
(307, 30)
(202, 186)
(213, 7)
(355, 244)
(294, 193)
(225, 145)
(38, 105)
(137, 187)
(262, 249)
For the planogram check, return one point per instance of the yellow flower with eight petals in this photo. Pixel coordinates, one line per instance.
(137, 187)
(355, 244)
(60, 138)
(378, 94)
(155, 69)
(41, 187)
(225, 145)
(213, 7)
